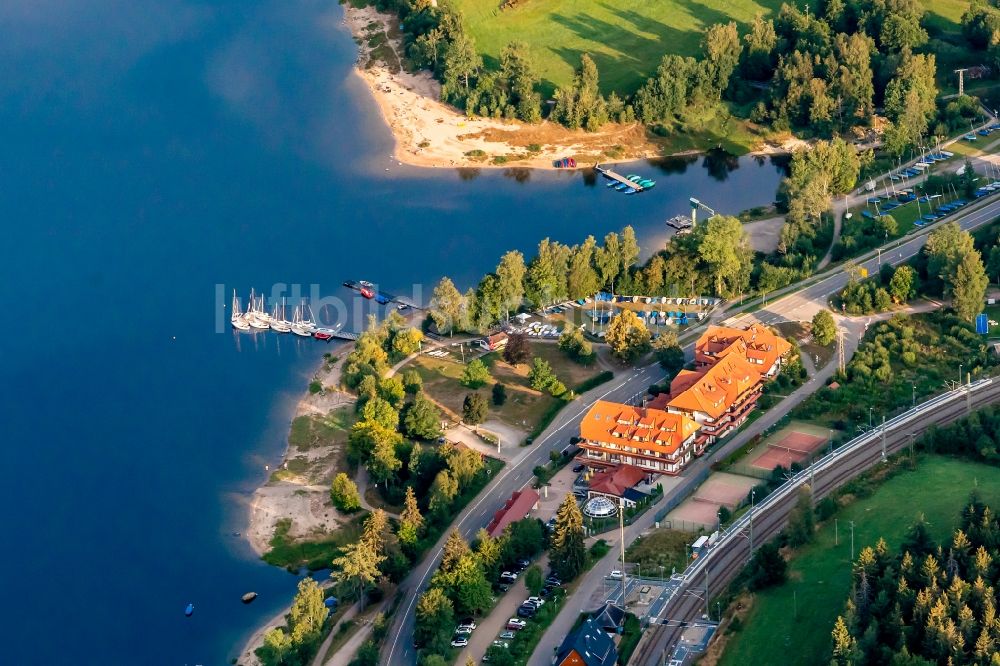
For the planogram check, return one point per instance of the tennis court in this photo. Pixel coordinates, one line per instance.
(701, 511)
(795, 443)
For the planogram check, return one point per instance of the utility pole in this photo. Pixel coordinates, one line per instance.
(961, 81)
(852, 541)
(840, 351)
(707, 610)
(870, 411)
(914, 387)
(836, 532)
(883, 438)
(752, 493)
(621, 525)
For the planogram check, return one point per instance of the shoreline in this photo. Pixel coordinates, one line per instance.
(429, 133)
(294, 498)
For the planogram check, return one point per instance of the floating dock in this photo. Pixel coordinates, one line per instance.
(381, 297)
(611, 175)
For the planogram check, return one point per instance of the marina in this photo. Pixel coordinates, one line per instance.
(256, 317)
(631, 184)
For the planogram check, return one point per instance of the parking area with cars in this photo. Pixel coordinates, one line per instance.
(515, 609)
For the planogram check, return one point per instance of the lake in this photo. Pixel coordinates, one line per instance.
(155, 157)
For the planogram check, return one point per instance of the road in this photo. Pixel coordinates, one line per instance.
(798, 305)
(399, 642)
(710, 574)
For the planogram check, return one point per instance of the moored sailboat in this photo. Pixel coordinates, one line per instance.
(299, 325)
(255, 315)
(237, 318)
(278, 321)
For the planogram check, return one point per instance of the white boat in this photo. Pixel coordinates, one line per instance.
(255, 315)
(237, 318)
(278, 321)
(300, 326)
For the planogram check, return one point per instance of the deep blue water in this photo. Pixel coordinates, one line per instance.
(154, 155)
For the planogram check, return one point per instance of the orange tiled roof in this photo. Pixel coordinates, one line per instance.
(756, 342)
(716, 389)
(652, 429)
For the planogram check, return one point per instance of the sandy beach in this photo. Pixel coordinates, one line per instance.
(430, 133)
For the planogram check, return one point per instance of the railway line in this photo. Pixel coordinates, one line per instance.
(709, 575)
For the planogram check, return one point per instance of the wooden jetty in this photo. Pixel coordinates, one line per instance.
(345, 335)
(611, 175)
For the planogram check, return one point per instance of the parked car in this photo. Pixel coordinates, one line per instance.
(503, 587)
(523, 563)
(514, 623)
(615, 573)
(507, 634)
(468, 622)
(459, 641)
(579, 468)
(526, 611)
(538, 601)
(502, 644)
(579, 494)
(508, 576)
(553, 580)
(462, 630)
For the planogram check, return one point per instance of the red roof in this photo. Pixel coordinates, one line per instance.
(516, 508)
(617, 480)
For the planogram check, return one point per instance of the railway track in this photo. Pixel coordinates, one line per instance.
(709, 576)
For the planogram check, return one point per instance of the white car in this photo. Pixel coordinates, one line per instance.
(616, 574)
(538, 601)
(459, 641)
(516, 623)
(500, 643)
(507, 635)
(463, 630)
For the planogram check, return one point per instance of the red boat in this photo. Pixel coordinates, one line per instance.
(323, 334)
(367, 289)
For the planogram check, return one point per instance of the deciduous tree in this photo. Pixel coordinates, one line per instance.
(446, 307)
(628, 336)
(344, 493)
(824, 328)
(517, 350)
(475, 374)
(969, 289)
(434, 620)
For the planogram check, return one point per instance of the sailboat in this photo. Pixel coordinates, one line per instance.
(255, 317)
(300, 325)
(237, 319)
(278, 322)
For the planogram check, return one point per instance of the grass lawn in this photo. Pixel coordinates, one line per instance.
(311, 554)
(662, 547)
(819, 574)
(945, 15)
(626, 39)
(525, 407)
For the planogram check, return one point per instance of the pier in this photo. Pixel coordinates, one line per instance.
(345, 335)
(612, 175)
